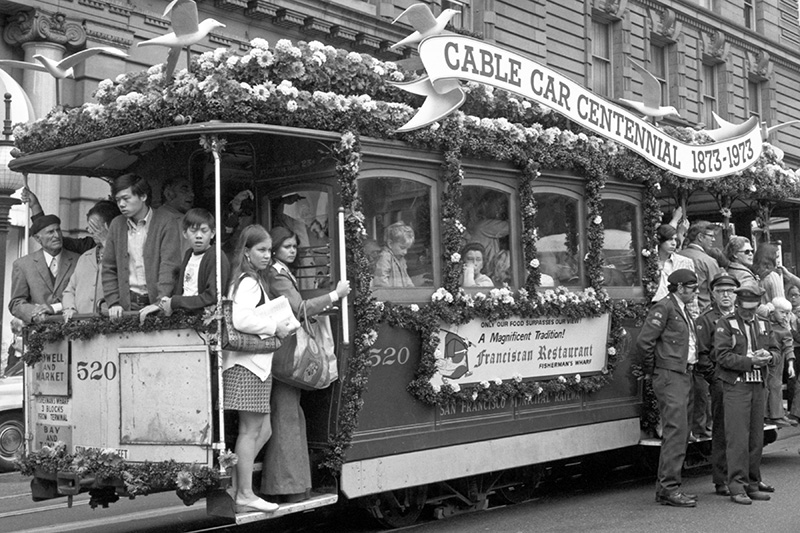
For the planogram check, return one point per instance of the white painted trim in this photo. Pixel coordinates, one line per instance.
(372, 476)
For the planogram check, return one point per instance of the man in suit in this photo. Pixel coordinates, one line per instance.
(142, 254)
(38, 279)
(668, 345)
(741, 343)
(723, 299)
(700, 237)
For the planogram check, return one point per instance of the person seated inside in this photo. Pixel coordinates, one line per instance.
(473, 275)
(142, 253)
(84, 292)
(197, 279)
(390, 268)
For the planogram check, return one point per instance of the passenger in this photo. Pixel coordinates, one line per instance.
(668, 260)
(782, 350)
(177, 197)
(79, 245)
(84, 292)
(196, 286)
(372, 249)
(38, 279)
(765, 266)
(722, 302)
(739, 252)
(142, 253)
(793, 385)
(246, 377)
(390, 268)
(668, 344)
(742, 343)
(472, 275)
(14, 347)
(287, 470)
(488, 227)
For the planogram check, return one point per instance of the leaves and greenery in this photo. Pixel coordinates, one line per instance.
(99, 469)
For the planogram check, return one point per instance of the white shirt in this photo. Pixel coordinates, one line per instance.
(137, 235)
(692, 333)
(190, 274)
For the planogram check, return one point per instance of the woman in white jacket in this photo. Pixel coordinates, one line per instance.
(247, 379)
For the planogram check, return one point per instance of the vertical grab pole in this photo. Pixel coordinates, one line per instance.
(220, 288)
(26, 371)
(343, 275)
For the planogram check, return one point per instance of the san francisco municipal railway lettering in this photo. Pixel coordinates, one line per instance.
(714, 159)
(462, 407)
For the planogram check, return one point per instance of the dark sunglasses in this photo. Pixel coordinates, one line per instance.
(748, 252)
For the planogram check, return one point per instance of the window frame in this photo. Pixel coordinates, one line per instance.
(710, 99)
(617, 193)
(597, 61)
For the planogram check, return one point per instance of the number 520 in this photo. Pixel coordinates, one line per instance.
(95, 370)
(388, 356)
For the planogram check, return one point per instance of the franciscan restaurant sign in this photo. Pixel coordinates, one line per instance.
(520, 348)
(451, 58)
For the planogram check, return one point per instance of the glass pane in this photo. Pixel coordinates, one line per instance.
(621, 265)
(600, 77)
(307, 214)
(754, 96)
(485, 213)
(558, 246)
(397, 216)
(600, 41)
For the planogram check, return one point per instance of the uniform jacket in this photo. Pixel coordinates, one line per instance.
(32, 283)
(730, 344)
(84, 290)
(706, 325)
(664, 338)
(161, 260)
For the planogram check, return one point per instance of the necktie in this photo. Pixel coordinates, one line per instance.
(754, 376)
(54, 267)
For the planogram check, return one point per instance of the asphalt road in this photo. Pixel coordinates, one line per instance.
(621, 501)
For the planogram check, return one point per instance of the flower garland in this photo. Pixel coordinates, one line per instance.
(530, 171)
(98, 469)
(453, 228)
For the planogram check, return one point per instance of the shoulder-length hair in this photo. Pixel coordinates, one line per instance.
(250, 236)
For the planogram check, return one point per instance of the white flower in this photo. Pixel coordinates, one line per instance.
(539, 391)
(752, 188)
(474, 396)
(455, 258)
(435, 126)
(456, 387)
(354, 57)
(534, 263)
(232, 61)
(645, 252)
(379, 306)
(498, 381)
(577, 378)
(414, 308)
(485, 384)
(657, 186)
(612, 351)
(562, 379)
(517, 377)
(291, 106)
(260, 43)
(598, 220)
(436, 388)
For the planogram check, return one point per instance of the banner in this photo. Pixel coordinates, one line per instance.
(450, 58)
(520, 348)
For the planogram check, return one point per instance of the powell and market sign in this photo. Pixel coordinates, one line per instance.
(450, 58)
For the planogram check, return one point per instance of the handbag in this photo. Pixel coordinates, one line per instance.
(311, 363)
(235, 340)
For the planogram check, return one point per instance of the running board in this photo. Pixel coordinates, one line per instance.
(768, 428)
(219, 503)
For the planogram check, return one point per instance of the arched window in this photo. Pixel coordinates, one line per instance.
(559, 244)
(621, 246)
(487, 219)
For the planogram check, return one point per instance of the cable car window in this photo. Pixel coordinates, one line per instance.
(307, 214)
(558, 246)
(486, 218)
(397, 216)
(621, 265)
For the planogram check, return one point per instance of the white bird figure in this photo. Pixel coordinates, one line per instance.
(439, 101)
(765, 131)
(651, 94)
(729, 130)
(186, 31)
(64, 68)
(423, 21)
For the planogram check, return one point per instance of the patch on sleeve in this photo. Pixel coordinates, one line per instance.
(656, 322)
(658, 314)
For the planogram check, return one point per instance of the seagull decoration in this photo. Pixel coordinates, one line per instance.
(423, 21)
(439, 102)
(64, 68)
(729, 130)
(651, 105)
(186, 31)
(765, 131)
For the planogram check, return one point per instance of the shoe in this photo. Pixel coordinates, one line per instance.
(742, 498)
(780, 422)
(676, 499)
(722, 490)
(794, 418)
(759, 496)
(790, 421)
(690, 496)
(256, 505)
(763, 487)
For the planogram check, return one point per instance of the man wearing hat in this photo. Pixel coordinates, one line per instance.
(741, 344)
(39, 278)
(722, 303)
(668, 346)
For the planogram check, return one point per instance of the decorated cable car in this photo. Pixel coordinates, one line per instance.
(497, 347)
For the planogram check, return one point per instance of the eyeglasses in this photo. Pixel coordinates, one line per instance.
(748, 251)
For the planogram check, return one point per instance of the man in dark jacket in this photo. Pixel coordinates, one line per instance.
(669, 347)
(723, 298)
(741, 344)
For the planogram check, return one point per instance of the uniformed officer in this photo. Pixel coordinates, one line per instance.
(741, 344)
(668, 346)
(722, 301)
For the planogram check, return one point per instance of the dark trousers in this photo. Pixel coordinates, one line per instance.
(744, 434)
(719, 465)
(700, 407)
(672, 391)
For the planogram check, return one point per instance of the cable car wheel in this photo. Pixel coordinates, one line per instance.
(397, 508)
(528, 478)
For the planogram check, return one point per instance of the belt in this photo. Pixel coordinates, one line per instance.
(690, 367)
(141, 299)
